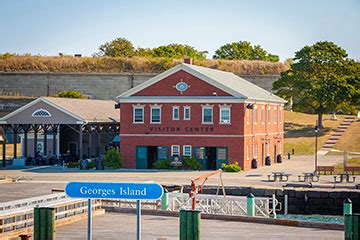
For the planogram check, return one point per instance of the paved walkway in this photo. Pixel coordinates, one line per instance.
(40, 181)
(123, 226)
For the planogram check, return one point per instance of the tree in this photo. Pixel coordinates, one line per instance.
(119, 47)
(320, 79)
(113, 158)
(244, 51)
(70, 94)
(178, 51)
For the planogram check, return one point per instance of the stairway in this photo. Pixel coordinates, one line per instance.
(336, 135)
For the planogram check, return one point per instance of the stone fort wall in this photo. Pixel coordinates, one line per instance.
(94, 85)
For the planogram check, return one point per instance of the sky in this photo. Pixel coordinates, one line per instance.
(282, 27)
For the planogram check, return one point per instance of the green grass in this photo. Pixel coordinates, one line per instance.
(339, 168)
(15, 63)
(299, 128)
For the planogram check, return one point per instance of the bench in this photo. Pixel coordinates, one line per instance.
(325, 169)
(352, 169)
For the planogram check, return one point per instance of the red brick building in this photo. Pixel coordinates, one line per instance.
(211, 115)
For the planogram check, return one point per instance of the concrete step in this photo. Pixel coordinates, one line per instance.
(325, 146)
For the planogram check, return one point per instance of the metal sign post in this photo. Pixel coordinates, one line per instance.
(89, 232)
(134, 191)
(138, 219)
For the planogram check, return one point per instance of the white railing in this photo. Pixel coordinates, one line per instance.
(32, 202)
(217, 204)
(15, 221)
(123, 203)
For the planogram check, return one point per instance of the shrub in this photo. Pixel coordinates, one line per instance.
(70, 94)
(73, 165)
(113, 158)
(162, 164)
(91, 165)
(232, 167)
(191, 163)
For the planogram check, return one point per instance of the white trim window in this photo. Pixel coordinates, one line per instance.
(225, 114)
(207, 114)
(138, 114)
(275, 114)
(187, 113)
(175, 150)
(187, 150)
(41, 113)
(280, 114)
(262, 115)
(255, 115)
(267, 149)
(255, 151)
(176, 113)
(155, 114)
(268, 115)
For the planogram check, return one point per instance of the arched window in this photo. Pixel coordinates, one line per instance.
(41, 113)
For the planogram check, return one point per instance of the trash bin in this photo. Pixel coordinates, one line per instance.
(99, 163)
(83, 164)
(254, 164)
(267, 161)
(279, 158)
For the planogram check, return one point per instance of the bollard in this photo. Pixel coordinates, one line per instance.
(183, 225)
(165, 201)
(44, 223)
(50, 221)
(36, 223)
(250, 205)
(190, 225)
(347, 206)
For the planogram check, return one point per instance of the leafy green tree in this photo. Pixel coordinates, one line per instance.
(70, 94)
(244, 51)
(113, 158)
(178, 51)
(320, 79)
(119, 47)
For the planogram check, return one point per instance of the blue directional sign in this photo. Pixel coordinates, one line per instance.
(136, 191)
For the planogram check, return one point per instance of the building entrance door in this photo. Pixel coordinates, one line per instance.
(210, 155)
(152, 152)
(141, 157)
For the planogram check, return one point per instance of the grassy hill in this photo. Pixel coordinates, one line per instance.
(9, 63)
(299, 133)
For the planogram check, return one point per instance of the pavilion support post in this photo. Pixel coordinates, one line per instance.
(4, 151)
(25, 143)
(15, 141)
(54, 130)
(89, 148)
(80, 143)
(36, 129)
(58, 141)
(45, 143)
(98, 145)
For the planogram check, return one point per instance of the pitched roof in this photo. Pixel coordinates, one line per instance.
(90, 110)
(227, 81)
(87, 110)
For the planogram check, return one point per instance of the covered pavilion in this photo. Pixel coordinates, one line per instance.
(51, 127)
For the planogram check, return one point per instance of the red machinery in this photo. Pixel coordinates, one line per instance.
(198, 188)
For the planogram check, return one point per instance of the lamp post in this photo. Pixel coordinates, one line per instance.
(316, 130)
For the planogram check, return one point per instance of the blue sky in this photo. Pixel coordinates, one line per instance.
(282, 27)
